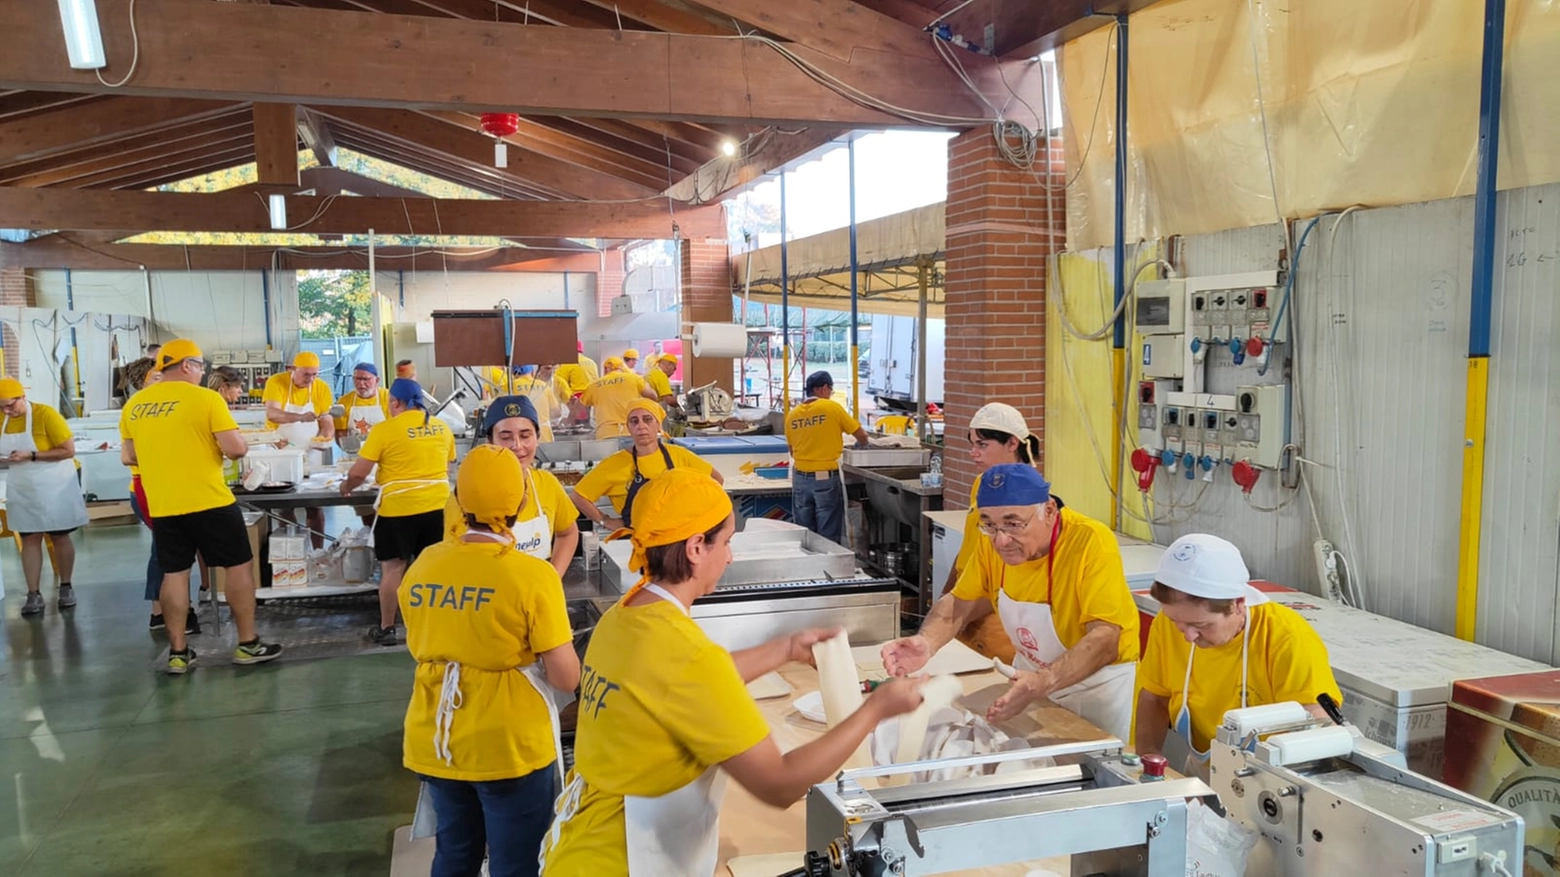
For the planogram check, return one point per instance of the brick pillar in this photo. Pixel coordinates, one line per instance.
(15, 291)
(609, 281)
(705, 276)
(999, 236)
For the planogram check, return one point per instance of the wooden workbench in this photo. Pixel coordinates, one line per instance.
(749, 827)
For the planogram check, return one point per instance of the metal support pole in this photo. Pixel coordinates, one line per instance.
(1479, 331)
(785, 305)
(265, 298)
(923, 281)
(75, 352)
(565, 290)
(1118, 357)
(377, 338)
(855, 345)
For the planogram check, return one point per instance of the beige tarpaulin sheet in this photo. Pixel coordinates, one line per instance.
(1367, 103)
(887, 253)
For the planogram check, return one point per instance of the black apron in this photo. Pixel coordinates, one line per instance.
(639, 480)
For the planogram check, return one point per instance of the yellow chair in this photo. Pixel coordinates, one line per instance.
(894, 424)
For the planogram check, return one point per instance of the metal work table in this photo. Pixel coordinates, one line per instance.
(307, 499)
(897, 503)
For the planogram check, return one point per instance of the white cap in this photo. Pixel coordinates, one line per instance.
(1002, 418)
(1206, 566)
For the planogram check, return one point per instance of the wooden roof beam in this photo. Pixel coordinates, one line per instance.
(86, 209)
(722, 175)
(58, 251)
(68, 128)
(195, 166)
(276, 143)
(488, 181)
(316, 136)
(672, 16)
(227, 51)
(80, 168)
(545, 140)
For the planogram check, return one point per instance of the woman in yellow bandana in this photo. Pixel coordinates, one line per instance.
(621, 476)
(662, 707)
(483, 737)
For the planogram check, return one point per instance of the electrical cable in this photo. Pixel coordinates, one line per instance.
(1267, 140)
(1289, 286)
(135, 54)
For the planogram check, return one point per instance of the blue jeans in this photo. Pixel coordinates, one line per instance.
(154, 573)
(506, 818)
(819, 505)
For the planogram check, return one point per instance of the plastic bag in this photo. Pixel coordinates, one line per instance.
(952, 733)
(1215, 846)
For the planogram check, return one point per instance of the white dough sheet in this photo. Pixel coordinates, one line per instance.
(951, 732)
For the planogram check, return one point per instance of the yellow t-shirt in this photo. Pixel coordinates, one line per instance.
(174, 427)
(1090, 584)
(816, 431)
(659, 704)
(549, 499)
(490, 610)
(1285, 661)
(353, 400)
(660, 383)
(407, 449)
(611, 477)
(611, 395)
(49, 429)
(279, 388)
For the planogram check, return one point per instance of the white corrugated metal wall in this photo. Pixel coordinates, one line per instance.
(1382, 302)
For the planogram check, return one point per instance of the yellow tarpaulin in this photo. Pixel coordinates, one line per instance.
(1366, 103)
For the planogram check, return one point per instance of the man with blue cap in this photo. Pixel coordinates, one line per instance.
(368, 403)
(1056, 580)
(545, 521)
(816, 431)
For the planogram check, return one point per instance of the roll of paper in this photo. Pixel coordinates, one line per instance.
(1300, 747)
(719, 340)
(837, 679)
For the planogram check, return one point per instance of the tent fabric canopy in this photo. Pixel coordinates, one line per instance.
(889, 252)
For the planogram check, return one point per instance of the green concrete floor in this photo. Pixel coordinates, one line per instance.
(114, 769)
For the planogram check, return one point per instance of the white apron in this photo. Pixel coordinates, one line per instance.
(1104, 698)
(367, 415)
(425, 822)
(299, 435)
(533, 536)
(677, 833)
(1179, 749)
(41, 496)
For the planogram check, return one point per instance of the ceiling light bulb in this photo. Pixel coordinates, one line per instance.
(729, 147)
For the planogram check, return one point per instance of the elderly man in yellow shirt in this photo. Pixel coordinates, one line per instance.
(1056, 580)
(610, 396)
(485, 738)
(178, 433)
(413, 452)
(1217, 645)
(366, 406)
(815, 430)
(297, 405)
(43, 492)
(659, 378)
(663, 709)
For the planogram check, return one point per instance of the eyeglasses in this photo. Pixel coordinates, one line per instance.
(1012, 531)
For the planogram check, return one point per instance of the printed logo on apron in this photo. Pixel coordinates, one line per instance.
(1026, 639)
(533, 536)
(364, 414)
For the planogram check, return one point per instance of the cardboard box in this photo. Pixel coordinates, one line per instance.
(289, 573)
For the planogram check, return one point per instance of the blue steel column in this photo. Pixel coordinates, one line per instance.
(785, 306)
(855, 342)
(1118, 353)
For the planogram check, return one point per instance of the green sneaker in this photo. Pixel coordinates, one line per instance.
(256, 652)
(180, 663)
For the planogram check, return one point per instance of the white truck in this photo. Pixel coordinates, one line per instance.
(892, 358)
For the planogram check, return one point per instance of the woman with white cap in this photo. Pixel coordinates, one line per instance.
(998, 434)
(1218, 645)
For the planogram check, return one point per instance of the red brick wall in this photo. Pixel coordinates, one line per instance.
(609, 281)
(15, 290)
(999, 236)
(706, 298)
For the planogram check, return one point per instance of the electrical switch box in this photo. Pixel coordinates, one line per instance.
(1259, 316)
(1162, 356)
(1262, 415)
(1152, 399)
(1229, 434)
(1208, 423)
(1161, 307)
(1171, 429)
(1219, 315)
(1240, 313)
(1200, 315)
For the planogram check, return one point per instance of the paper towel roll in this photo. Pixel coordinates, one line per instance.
(837, 679)
(719, 339)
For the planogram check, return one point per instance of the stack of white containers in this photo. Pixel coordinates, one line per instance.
(289, 550)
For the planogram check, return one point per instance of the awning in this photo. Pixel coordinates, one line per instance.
(889, 251)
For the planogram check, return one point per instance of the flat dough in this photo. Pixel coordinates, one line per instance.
(769, 685)
(937, 693)
(953, 658)
(764, 866)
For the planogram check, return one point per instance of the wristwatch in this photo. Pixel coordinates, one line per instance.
(35, 456)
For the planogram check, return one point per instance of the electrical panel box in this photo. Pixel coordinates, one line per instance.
(1240, 313)
(1259, 316)
(1160, 308)
(1162, 356)
(1200, 315)
(1208, 427)
(1151, 401)
(1171, 429)
(1262, 415)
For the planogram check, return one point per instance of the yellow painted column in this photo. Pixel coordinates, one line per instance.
(1472, 503)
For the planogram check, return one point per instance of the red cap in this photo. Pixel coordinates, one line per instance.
(1254, 347)
(579, 346)
(1154, 765)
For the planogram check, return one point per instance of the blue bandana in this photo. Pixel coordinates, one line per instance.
(367, 367)
(1012, 484)
(505, 407)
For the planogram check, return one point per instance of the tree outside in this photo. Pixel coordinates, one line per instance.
(334, 303)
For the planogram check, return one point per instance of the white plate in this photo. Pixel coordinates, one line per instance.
(811, 706)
